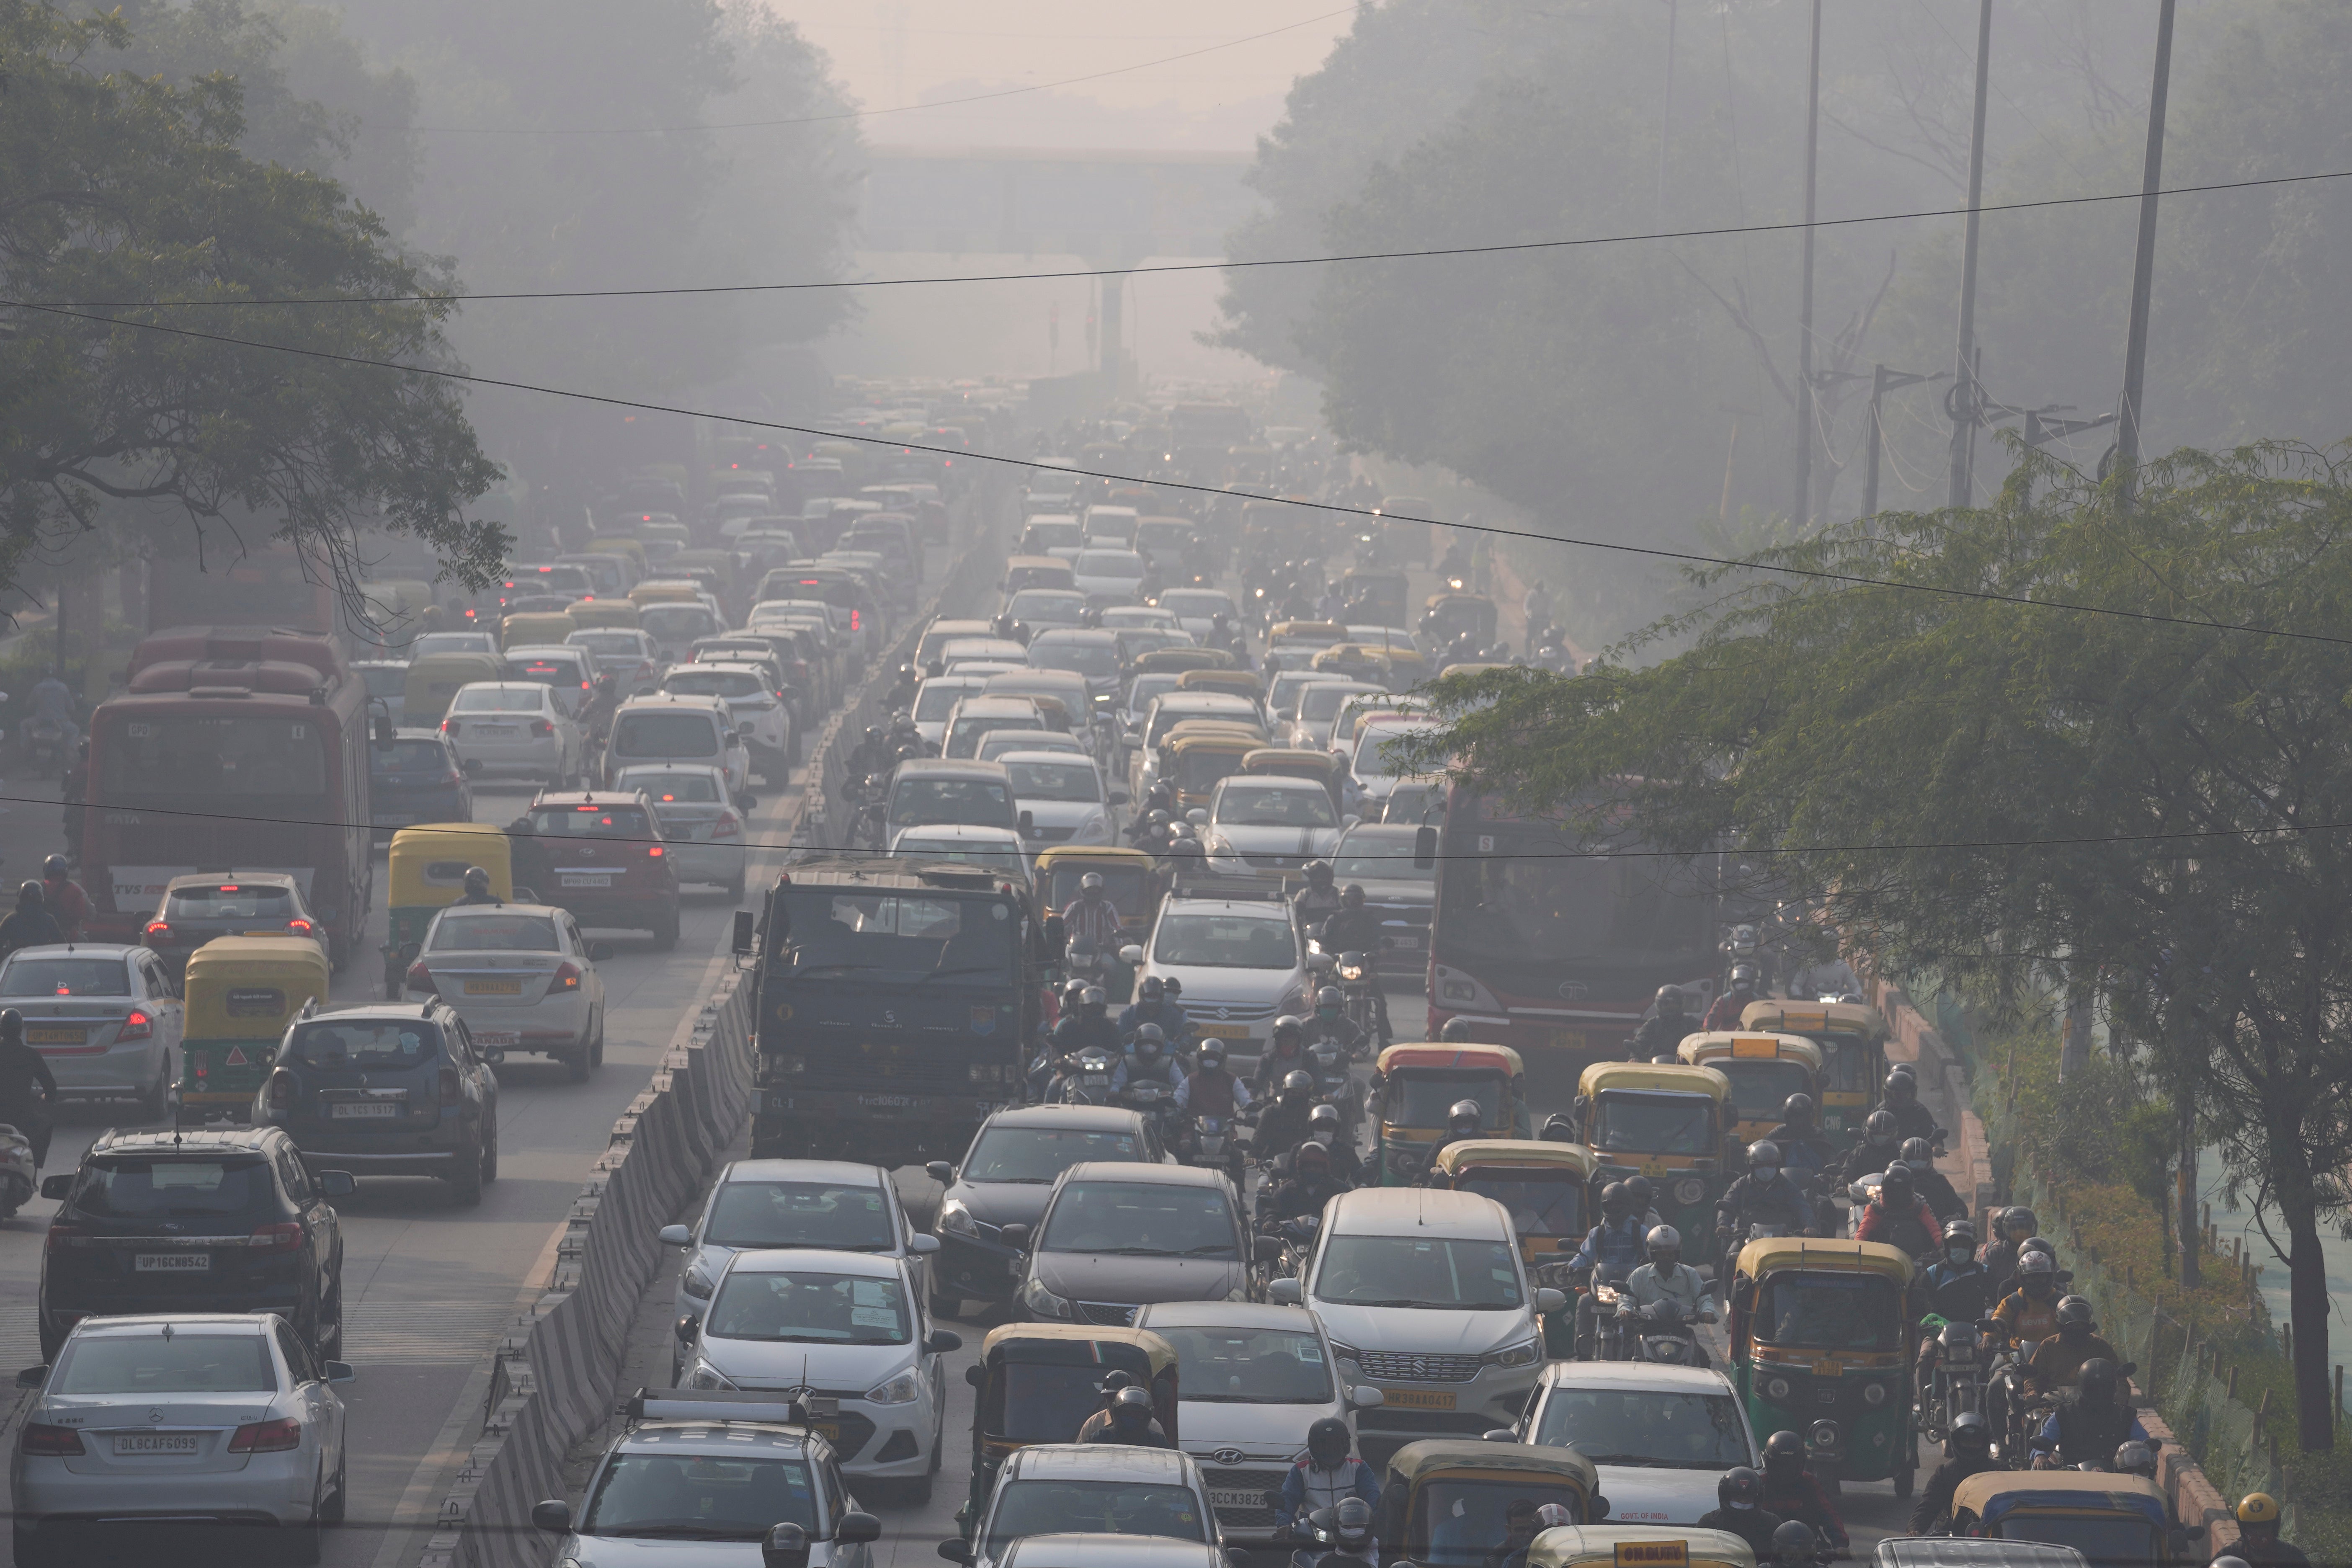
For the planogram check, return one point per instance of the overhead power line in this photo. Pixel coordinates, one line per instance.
(1333, 508)
(1337, 259)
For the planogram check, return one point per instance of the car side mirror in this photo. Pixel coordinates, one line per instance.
(856, 1528)
(938, 1342)
(922, 1246)
(1285, 1293)
(785, 1545)
(1131, 953)
(1267, 1248)
(941, 1172)
(955, 1550)
(59, 1186)
(1424, 848)
(1600, 1508)
(600, 953)
(1015, 1237)
(686, 1328)
(676, 1235)
(747, 926)
(553, 1516)
(32, 1376)
(1028, 821)
(1500, 1435)
(337, 1184)
(1364, 1396)
(1549, 1300)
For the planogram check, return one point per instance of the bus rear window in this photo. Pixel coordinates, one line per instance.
(233, 900)
(191, 757)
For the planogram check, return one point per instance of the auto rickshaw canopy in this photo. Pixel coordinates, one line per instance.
(1772, 1254)
(1758, 1096)
(1814, 1018)
(1653, 1077)
(1419, 1460)
(1998, 1494)
(1474, 1483)
(1454, 614)
(1182, 661)
(1457, 1055)
(614, 545)
(428, 863)
(537, 628)
(1283, 762)
(1131, 878)
(1071, 1359)
(1747, 1045)
(1638, 1546)
(590, 612)
(1519, 1154)
(248, 987)
(661, 591)
(1240, 682)
(1322, 633)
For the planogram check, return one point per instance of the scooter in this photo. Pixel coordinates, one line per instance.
(1090, 1084)
(20, 1178)
(1658, 1333)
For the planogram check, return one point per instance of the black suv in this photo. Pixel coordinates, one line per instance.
(217, 1220)
(387, 1088)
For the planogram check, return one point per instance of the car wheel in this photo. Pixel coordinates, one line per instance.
(328, 1339)
(597, 1050)
(156, 1103)
(333, 1510)
(466, 1185)
(735, 884)
(580, 1061)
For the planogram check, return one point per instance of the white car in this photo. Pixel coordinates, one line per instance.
(1001, 850)
(1053, 533)
(179, 1418)
(1470, 1342)
(569, 672)
(765, 722)
(1103, 1488)
(1126, 617)
(1265, 824)
(702, 829)
(106, 1019)
(635, 661)
(1038, 608)
(521, 977)
(513, 728)
(1107, 576)
(1241, 962)
(1061, 798)
(1663, 1435)
(670, 727)
(1307, 714)
(674, 626)
(997, 743)
(830, 1205)
(1106, 523)
(936, 699)
(1197, 609)
(1374, 770)
(844, 1320)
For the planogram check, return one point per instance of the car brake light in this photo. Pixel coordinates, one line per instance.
(266, 1436)
(727, 826)
(448, 1086)
(157, 931)
(541, 726)
(282, 1090)
(567, 978)
(302, 927)
(62, 1237)
(275, 1237)
(655, 851)
(420, 978)
(52, 1442)
(448, 726)
(853, 620)
(138, 1026)
(453, 776)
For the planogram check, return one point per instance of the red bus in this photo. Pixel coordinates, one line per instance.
(233, 748)
(1555, 952)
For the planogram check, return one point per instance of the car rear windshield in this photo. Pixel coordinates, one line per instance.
(188, 1186)
(410, 757)
(150, 1365)
(65, 977)
(230, 900)
(983, 802)
(544, 671)
(750, 1214)
(1385, 857)
(1256, 805)
(589, 822)
(1418, 1272)
(1251, 1366)
(1647, 1427)
(495, 933)
(1055, 781)
(452, 642)
(675, 789)
(360, 1043)
(698, 1497)
(1057, 1507)
(692, 735)
(499, 700)
(678, 620)
(1098, 659)
(610, 644)
(714, 683)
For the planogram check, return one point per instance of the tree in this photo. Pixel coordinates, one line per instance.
(121, 189)
(1970, 772)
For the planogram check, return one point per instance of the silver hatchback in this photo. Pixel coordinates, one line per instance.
(106, 1019)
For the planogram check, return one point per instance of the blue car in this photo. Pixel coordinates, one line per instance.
(416, 778)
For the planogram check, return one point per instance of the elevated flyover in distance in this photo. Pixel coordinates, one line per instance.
(1111, 208)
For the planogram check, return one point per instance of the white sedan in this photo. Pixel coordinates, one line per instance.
(514, 728)
(703, 832)
(998, 848)
(1107, 576)
(1061, 798)
(105, 1019)
(521, 977)
(179, 1418)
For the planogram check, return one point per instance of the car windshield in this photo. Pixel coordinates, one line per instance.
(997, 744)
(870, 934)
(1098, 659)
(499, 700)
(1256, 805)
(676, 621)
(1830, 1311)
(1378, 856)
(495, 933)
(150, 1365)
(1250, 1366)
(1322, 704)
(1224, 941)
(674, 789)
(610, 645)
(1418, 1272)
(1758, 1088)
(228, 1186)
(1095, 1508)
(410, 757)
(65, 977)
(1147, 687)
(584, 821)
(689, 734)
(794, 1306)
(756, 1214)
(1457, 1523)
(1035, 1155)
(921, 802)
(1543, 1206)
(1425, 1097)
(1650, 1427)
(698, 1497)
(1656, 1123)
(230, 901)
(714, 683)
(363, 1042)
(1055, 781)
(1142, 1219)
(385, 679)
(452, 642)
(1038, 604)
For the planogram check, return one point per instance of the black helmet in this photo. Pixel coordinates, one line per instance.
(1095, 996)
(1318, 871)
(477, 880)
(874, 732)
(1455, 1030)
(1464, 1111)
(1740, 1487)
(1351, 1522)
(1763, 1155)
(1901, 1087)
(1327, 1442)
(1310, 1153)
(1960, 1232)
(2098, 1378)
(1916, 1154)
(1670, 998)
(1212, 1055)
(2136, 1458)
(1970, 1431)
(28, 896)
(1297, 1082)
(2041, 1243)
(1784, 1454)
(1287, 1028)
(1352, 895)
(1794, 1543)
(12, 1024)
(1895, 1187)
(1797, 1110)
(1153, 987)
(1113, 1381)
(55, 867)
(1881, 1127)
(2017, 1221)
(1615, 1200)
(2075, 1311)
(1131, 1406)
(1148, 1039)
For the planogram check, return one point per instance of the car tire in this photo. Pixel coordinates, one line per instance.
(665, 933)
(490, 1158)
(736, 884)
(328, 1339)
(156, 1103)
(579, 1062)
(466, 1183)
(596, 1049)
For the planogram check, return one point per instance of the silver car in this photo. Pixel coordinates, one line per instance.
(702, 829)
(106, 1019)
(521, 977)
(772, 1204)
(1054, 1489)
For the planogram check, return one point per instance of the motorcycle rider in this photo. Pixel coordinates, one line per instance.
(1912, 1119)
(53, 705)
(1880, 1147)
(1725, 1012)
(478, 887)
(871, 755)
(1664, 1029)
(2011, 1226)
(1093, 919)
(1283, 1125)
(2093, 1418)
(1641, 1198)
(1897, 1215)
(1285, 1053)
(1971, 1440)
(1087, 1027)
(1327, 1023)
(1356, 928)
(1209, 1089)
(1302, 1193)
(1611, 1250)
(1319, 901)
(1933, 1189)
(1956, 1287)
(1327, 1475)
(1149, 831)
(1151, 1062)
(1791, 1491)
(1152, 1004)
(1794, 1545)
(2028, 1312)
(30, 924)
(2058, 1361)
(1461, 1120)
(1128, 1420)
(1739, 1509)
(902, 691)
(1765, 1195)
(2259, 1545)
(1808, 1153)
(64, 897)
(1323, 1126)
(21, 1068)
(1667, 1277)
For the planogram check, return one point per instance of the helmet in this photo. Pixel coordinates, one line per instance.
(2098, 1378)
(28, 896)
(1739, 1488)
(478, 880)
(1324, 1115)
(1286, 1025)
(56, 866)
(1153, 987)
(1665, 1244)
(1881, 1127)
(1175, 987)
(2018, 1223)
(1901, 1087)
(1351, 1524)
(1763, 1155)
(1212, 1056)
(2136, 1458)
(1091, 882)
(1095, 997)
(1638, 1191)
(1148, 1040)
(2037, 1271)
(1895, 1187)
(1327, 1442)
(1916, 1154)
(1113, 1382)
(1297, 1082)
(1158, 818)
(1318, 871)
(1960, 1232)
(1310, 1153)
(2259, 1508)
(1797, 1110)
(1970, 1431)
(2041, 1243)
(1464, 1111)
(1784, 1454)
(1551, 1515)
(12, 1023)
(1074, 993)
(1455, 1030)
(1743, 976)
(1131, 1405)
(1614, 1199)
(1352, 895)
(1327, 998)
(1670, 998)
(2075, 1310)
(1793, 1542)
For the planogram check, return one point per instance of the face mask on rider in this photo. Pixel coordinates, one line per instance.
(1766, 1175)
(1323, 1136)
(1959, 1255)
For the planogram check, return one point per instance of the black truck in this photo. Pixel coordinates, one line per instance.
(897, 999)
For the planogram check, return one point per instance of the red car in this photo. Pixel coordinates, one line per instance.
(601, 855)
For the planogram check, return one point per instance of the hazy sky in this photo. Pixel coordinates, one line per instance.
(891, 53)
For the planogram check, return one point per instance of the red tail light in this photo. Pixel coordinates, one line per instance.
(266, 1436)
(448, 1086)
(453, 776)
(567, 978)
(854, 621)
(137, 1026)
(62, 1237)
(275, 1237)
(727, 826)
(655, 851)
(541, 726)
(282, 1090)
(301, 928)
(158, 932)
(52, 1442)
(448, 726)
(420, 978)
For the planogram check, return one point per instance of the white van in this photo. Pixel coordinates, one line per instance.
(676, 727)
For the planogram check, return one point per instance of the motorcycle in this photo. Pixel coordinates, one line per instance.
(20, 1177)
(1088, 1082)
(1957, 1386)
(869, 805)
(1334, 1083)
(1214, 1147)
(1610, 1308)
(1154, 1098)
(1657, 1333)
(1356, 1002)
(45, 744)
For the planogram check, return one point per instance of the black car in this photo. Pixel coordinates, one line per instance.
(215, 1220)
(387, 1088)
(416, 777)
(1005, 1178)
(196, 907)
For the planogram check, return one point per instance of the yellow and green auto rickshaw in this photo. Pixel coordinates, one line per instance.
(1821, 1344)
(1763, 1069)
(397, 607)
(666, 591)
(242, 992)
(433, 680)
(537, 628)
(1546, 1188)
(1325, 768)
(1196, 754)
(1038, 1383)
(1240, 682)
(1852, 1039)
(2109, 1518)
(605, 613)
(1639, 1546)
(1445, 1502)
(1305, 634)
(1416, 1083)
(1132, 881)
(1356, 662)
(617, 544)
(1447, 615)
(427, 867)
(1669, 1122)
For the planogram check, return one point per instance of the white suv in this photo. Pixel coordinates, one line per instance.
(671, 726)
(759, 710)
(1240, 960)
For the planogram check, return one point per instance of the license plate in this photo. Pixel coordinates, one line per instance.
(829, 1430)
(493, 987)
(1418, 1399)
(494, 732)
(1097, 1080)
(365, 1110)
(886, 1101)
(1223, 1031)
(54, 1035)
(1406, 940)
(157, 1443)
(498, 1037)
(587, 880)
(171, 1263)
(1236, 1500)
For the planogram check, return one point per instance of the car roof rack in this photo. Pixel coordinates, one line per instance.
(787, 1407)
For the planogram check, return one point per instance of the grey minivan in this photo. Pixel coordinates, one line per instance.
(932, 792)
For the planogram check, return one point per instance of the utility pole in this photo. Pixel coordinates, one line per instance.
(1882, 381)
(2127, 409)
(1964, 387)
(1803, 511)
(1666, 113)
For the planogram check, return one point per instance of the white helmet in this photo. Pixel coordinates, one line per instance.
(1665, 1238)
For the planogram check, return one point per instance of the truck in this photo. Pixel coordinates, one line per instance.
(897, 1002)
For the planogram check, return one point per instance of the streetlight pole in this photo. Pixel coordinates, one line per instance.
(1964, 388)
(2128, 408)
(1803, 512)
(1882, 381)
(1666, 113)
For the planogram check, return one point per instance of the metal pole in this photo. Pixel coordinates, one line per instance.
(1870, 470)
(1964, 394)
(1803, 513)
(1666, 114)
(2143, 261)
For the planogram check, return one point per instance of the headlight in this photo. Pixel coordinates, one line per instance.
(1351, 972)
(707, 1376)
(1689, 1191)
(901, 1390)
(955, 1216)
(1043, 1302)
(1874, 1394)
(1778, 1388)
(1526, 1354)
(1346, 1352)
(697, 1283)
